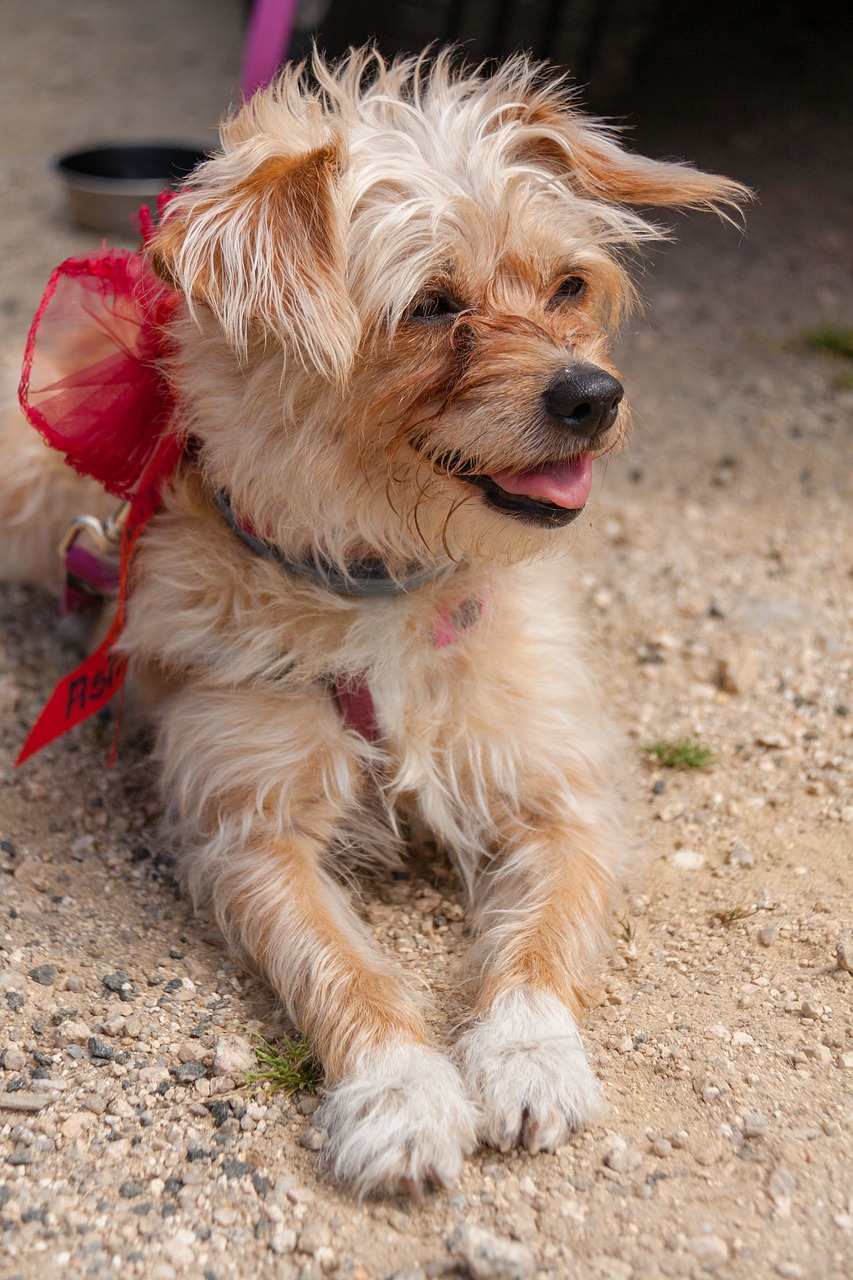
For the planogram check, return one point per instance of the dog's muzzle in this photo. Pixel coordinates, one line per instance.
(582, 404)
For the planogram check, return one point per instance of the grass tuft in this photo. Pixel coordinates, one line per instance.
(831, 340)
(733, 914)
(684, 754)
(292, 1067)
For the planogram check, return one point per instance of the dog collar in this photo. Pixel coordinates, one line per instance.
(365, 575)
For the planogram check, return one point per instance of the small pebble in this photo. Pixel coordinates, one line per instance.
(621, 1158)
(71, 1032)
(710, 1250)
(314, 1139)
(95, 1103)
(12, 1059)
(781, 1187)
(99, 1049)
(75, 1125)
(307, 1104)
(844, 951)
(121, 984)
(44, 974)
(738, 670)
(770, 738)
(754, 1125)
(488, 1257)
(316, 1235)
(195, 1154)
(187, 1072)
(687, 860)
(233, 1055)
(740, 856)
(283, 1241)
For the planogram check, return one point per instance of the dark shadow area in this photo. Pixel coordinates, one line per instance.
(713, 71)
(598, 40)
(710, 62)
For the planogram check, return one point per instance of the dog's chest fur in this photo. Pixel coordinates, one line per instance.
(467, 698)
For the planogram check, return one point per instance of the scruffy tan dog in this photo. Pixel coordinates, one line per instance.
(391, 357)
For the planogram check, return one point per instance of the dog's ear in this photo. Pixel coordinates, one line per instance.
(262, 246)
(586, 152)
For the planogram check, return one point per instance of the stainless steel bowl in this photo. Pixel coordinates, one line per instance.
(107, 185)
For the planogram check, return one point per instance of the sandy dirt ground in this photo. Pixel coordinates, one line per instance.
(715, 571)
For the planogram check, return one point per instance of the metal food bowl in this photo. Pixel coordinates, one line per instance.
(107, 185)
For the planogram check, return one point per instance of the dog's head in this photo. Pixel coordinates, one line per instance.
(400, 284)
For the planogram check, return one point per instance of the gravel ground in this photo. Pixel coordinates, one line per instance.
(715, 571)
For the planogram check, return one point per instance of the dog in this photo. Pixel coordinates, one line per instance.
(396, 285)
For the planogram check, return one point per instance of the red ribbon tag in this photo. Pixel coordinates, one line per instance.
(91, 685)
(77, 696)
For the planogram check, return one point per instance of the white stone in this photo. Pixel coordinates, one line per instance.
(233, 1055)
(487, 1257)
(687, 860)
(709, 1250)
(283, 1241)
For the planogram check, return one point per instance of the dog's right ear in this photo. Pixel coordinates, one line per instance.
(261, 245)
(587, 153)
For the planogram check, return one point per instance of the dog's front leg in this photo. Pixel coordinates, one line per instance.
(543, 902)
(268, 781)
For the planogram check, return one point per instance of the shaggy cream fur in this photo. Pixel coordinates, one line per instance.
(386, 273)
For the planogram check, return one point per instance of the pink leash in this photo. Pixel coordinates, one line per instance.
(267, 42)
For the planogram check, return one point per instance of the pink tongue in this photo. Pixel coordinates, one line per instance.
(566, 485)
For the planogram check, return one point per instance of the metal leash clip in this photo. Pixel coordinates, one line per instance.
(92, 577)
(105, 534)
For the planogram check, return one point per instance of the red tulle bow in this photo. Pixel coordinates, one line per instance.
(94, 387)
(103, 319)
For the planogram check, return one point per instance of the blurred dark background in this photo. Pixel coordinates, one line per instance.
(723, 53)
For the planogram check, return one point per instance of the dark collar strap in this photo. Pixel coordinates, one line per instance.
(366, 576)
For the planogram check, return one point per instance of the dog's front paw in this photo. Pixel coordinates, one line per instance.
(400, 1122)
(524, 1063)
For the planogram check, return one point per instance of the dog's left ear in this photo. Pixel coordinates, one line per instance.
(262, 246)
(586, 152)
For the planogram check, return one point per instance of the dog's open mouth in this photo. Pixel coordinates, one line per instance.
(550, 496)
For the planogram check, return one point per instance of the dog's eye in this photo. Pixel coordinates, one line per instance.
(434, 308)
(568, 290)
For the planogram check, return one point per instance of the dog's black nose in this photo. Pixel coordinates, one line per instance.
(584, 398)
